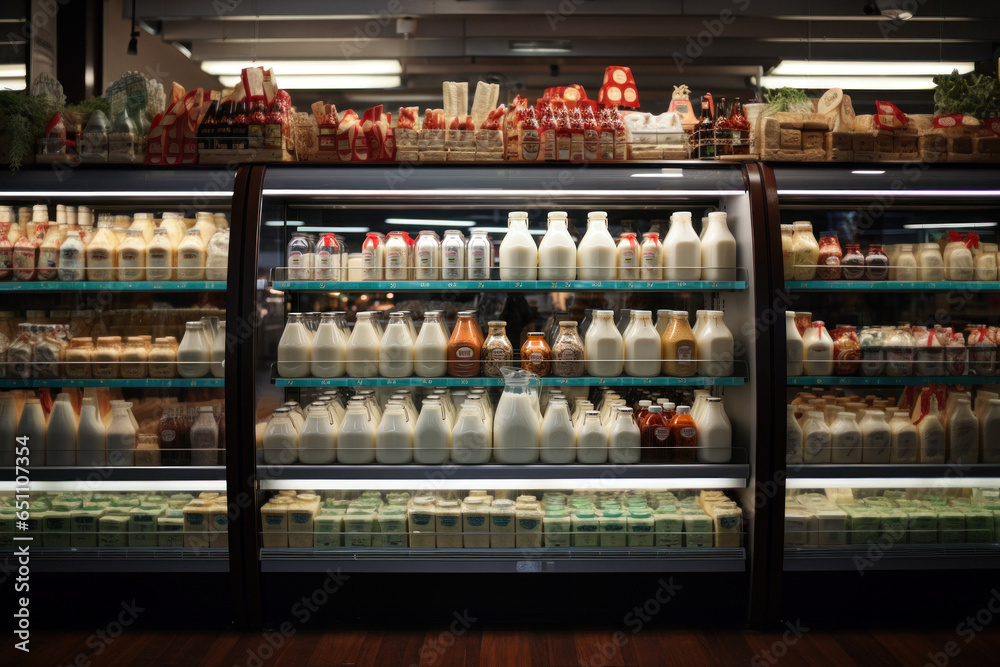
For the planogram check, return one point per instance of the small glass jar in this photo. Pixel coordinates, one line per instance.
(498, 353)
(872, 355)
(299, 257)
(853, 263)
(134, 358)
(79, 354)
(986, 262)
(536, 355)
(930, 263)
(163, 358)
(876, 263)
(846, 350)
(107, 357)
(905, 264)
(830, 255)
(567, 351)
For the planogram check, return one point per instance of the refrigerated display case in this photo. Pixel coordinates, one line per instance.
(109, 371)
(910, 332)
(347, 207)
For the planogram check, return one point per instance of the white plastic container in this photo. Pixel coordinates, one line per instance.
(715, 346)
(718, 249)
(592, 439)
(356, 437)
(194, 354)
(903, 443)
(682, 249)
(471, 436)
(816, 439)
(624, 438)
(557, 251)
(596, 256)
(818, 350)
(963, 434)
(432, 434)
(845, 439)
(518, 252)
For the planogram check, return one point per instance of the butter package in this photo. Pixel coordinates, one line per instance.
(831, 526)
(863, 526)
(978, 526)
(698, 530)
(358, 528)
(142, 526)
(84, 525)
(669, 529)
(56, 529)
(328, 529)
(170, 529)
(921, 526)
(951, 527)
(113, 530)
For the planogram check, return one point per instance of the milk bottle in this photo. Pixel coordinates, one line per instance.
(793, 438)
(816, 439)
(131, 257)
(432, 434)
(604, 346)
(318, 437)
(394, 436)
(518, 252)
(194, 354)
(963, 434)
(682, 249)
(592, 439)
(558, 437)
(623, 438)
(191, 257)
(328, 352)
(845, 439)
(642, 346)
(662, 321)
(101, 254)
(453, 255)
(362, 348)
(281, 439)
(516, 422)
(356, 437)
(715, 433)
(395, 351)
(557, 251)
(427, 252)
(718, 249)
(903, 442)
(989, 432)
(430, 352)
(471, 437)
(161, 256)
(596, 256)
(794, 348)
(8, 428)
(876, 437)
(479, 256)
(715, 346)
(651, 253)
(372, 257)
(61, 434)
(397, 257)
(818, 350)
(121, 436)
(628, 257)
(71, 258)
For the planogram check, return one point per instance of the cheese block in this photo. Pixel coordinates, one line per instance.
(838, 155)
(883, 142)
(791, 139)
(986, 144)
(841, 140)
(904, 144)
(772, 132)
(862, 124)
(814, 155)
(863, 141)
(813, 139)
(864, 156)
(790, 121)
(921, 122)
(935, 143)
(961, 145)
(837, 108)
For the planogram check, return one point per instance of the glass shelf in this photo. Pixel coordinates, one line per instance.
(18, 383)
(498, 382)
(508, 285)
(126, 559)
(892, 475)
(891, 285)
(120, 478)
(115, 286)
(898, 557)
(882, 381)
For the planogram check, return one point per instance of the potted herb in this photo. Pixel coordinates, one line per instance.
(23, 118)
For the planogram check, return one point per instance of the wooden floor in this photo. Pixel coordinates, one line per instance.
(479, 647)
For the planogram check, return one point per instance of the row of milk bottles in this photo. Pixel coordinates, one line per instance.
(67, 438)
(682, 255)
(202, 350)
(327, 347)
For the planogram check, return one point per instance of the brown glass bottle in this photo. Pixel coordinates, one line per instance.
(465, 346)
(224, 126)
(654, 436)
(705, 130)
(684, 433)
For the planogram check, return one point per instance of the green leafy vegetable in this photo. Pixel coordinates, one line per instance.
(90, 105)
(24, 118)
(787, 99)
(972, 94)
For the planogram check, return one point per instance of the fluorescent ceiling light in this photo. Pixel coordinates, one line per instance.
(283, 223)
(335, 229)
(663, 173)
(13, 71)
(956, 482)
(505, 484)
(886, 193)
(868, 172)
(540, 46)
(297, 67)
(849, 82)
(12, 83)
(950, 225)
(503, 230)
(497, 194)
(326, 82)
(122, 485)
(106, 194)
(418, 222)
(868, 68)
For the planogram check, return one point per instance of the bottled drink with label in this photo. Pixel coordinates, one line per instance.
(722, 136)
(206, 131)
(239, 129)
(705, 130)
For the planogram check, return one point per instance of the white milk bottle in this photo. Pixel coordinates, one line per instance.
(816, 439)
(628, 257)
(518, 252)
(715, 433)
(794, 348)
(715, 348)
(682, 249)
(963, 434)
(294, 348)
(131, 257)
(32, 426)
(651, 254)
(662, 321)
(718, 249)
(557, 251)
(930, 433)
(8, 428)
(328, 352)
(91, 436)
(395, 350)
(516, 422)
(604, 347)
(61, 433)
(818, 350)
(161, 256)
(989, 432)
(362, 348)
(793, 438)
(592, 439)
(397, 257)
(372, 256)
(558, 437)
(472, 436)
(191, 257)
(194, 354)
(430, 352)
(427, 256)
(71, 258)
(624, 438)
(121, 436)
(903, 442)
(453, 255)
(356, 437)
(394, 436)
(596, 256)
(479, 256)
(641, 346)
(281, 439)
(845, 439)
(431, 434)
(318, 437)
(876, 437)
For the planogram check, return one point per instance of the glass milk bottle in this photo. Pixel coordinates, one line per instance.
(328, 352)
(623, 438)
(294, 349)
(604, 346)
(432, 434)
(903, 439)
(592, 439)
(718, 249)
(372, 256)
(479, 256)
(472, 436)
(356, 436)
(715, 346)
(453, 255)
(191, 257)
(876, 437)
(962, 435)
(194, 354)
(715, 433)
(91, 434)
(794, 348)
(61, 433)
(327, 261)
(793, 438)
(596, 256)
(281, 439)
(682, 249)
(131, 257)
(427, 251)
(651, 257)
(318, 437)
(363, 348)
(518, 252)
(642, 346)
(121, 436)
(71, 258)
(395, 351)
(845, 439)
(516, 422)
(430, 352)
(161, 256)
(818, 350)
(397, 257)
(31, 425)
(989, 431)
(628, 257)
(393, 437)
(557, 251)
(816, 439)
(558, 437)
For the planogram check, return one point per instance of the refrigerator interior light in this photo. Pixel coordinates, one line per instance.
(327, 81)
(116, 194)
(948, 225)
(889, 193)
(452, 484)
(663, 173)
(494, 194)
(868, 172)
(420, 222)
(335, 229)
(283, 223)
(869, 68)
(283, 68)
(847, 82)
(954, 482)
(121, 485)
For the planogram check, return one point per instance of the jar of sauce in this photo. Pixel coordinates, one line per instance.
(846, 350)
(830, 255)
(853, 263)
(107, 355)
(78, 356)
(536, 356)
(684, 447)
(465, 346)
(498, 353)
(135, 354)
(876, 263)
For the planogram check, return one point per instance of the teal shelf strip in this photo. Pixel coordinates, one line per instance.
(894, 381)
(498, 382)
(114, 286)
(891, 285)
(17, 383)
(509, 285)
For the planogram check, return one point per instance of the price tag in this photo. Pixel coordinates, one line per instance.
(529, 566)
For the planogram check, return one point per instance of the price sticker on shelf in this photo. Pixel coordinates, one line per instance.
(529, 566)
